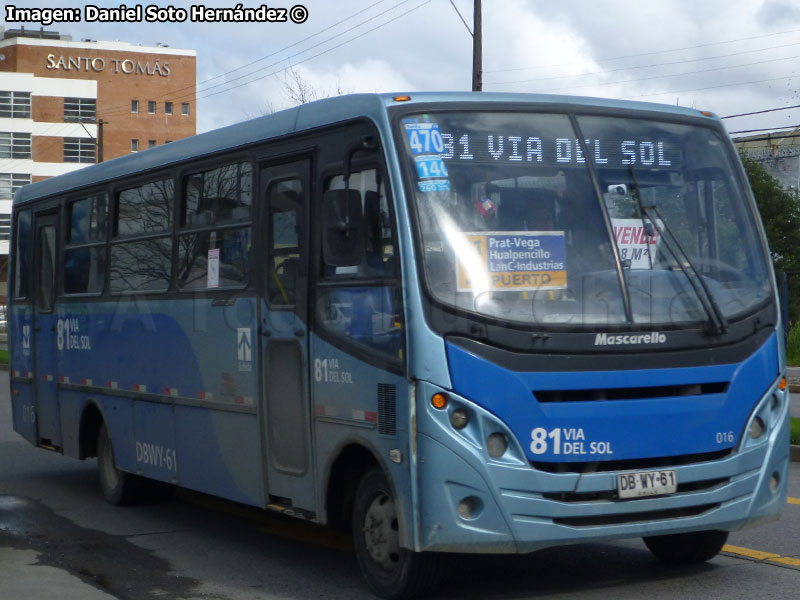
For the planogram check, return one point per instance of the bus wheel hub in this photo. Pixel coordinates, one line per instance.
(381, 532)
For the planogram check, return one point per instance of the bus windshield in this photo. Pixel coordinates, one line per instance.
(527, 217)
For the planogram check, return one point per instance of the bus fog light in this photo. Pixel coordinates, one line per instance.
(496, 445)
(459, 418)
(756, 428)
(469, 507)
(774, 481)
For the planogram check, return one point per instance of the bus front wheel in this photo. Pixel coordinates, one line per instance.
(118, 486)
(389, 570)
(687, 548)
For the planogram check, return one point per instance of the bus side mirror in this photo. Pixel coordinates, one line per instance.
(343, 236)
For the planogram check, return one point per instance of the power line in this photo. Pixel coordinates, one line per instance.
(770, 137)
(643, 54)
(765, 129)
(676, 62)
(194, 94)
(297, 43)
(711, 87)
(636, 80)
(318, 54)
(760, 112)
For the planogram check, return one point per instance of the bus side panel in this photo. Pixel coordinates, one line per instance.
(118, 414)
(46, 373)
(20, 336)
(154, 441)
(71, 405)
(23, 407)
(357, 403)
(178, 363)
(219, 453)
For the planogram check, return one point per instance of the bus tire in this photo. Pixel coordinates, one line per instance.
(119, 487)
(389, 571)
(687, 548)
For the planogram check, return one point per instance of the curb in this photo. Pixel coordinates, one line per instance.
(794, 453)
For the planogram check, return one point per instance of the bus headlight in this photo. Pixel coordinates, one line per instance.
(496, 445)
(757, 428)
(459, 418)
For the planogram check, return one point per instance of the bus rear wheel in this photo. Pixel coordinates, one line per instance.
(119, 487)
(389, 570)
(687, 548)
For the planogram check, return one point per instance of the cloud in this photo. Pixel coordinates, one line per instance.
(778, 13)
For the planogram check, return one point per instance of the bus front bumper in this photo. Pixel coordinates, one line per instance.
(471, 504)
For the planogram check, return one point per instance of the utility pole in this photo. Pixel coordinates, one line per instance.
(100, 141)
(477, 51)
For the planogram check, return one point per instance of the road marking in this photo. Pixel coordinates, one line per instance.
(791, 500)
(758, 555)
(785, 560)
(755, 554)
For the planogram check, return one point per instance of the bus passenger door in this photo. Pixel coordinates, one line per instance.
(284, 336)
(44, 332)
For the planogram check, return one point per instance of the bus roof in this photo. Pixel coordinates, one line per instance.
(303, 117)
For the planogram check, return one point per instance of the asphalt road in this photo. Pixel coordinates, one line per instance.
(197, 547)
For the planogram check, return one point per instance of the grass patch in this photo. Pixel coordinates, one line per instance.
(795, 426)
(793, 346)
(4, 357)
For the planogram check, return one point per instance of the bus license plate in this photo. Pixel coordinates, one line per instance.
(646, 483)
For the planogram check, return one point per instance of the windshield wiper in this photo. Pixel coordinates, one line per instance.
(717, 322)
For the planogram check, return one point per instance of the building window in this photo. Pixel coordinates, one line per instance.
(168, 108)
(10, 183)
(83, 110)
(185, 108)
(5, 227)
(15, 145)
(134, 145)
(151, 143)
(151, 107)
(79, 150)
(15, 105)
(167, 141)
(134, 106)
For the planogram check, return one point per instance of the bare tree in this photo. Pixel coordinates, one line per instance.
(298, 89)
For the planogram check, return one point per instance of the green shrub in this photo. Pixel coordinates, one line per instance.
(793, 346)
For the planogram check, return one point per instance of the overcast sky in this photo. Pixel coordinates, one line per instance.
(728, 56)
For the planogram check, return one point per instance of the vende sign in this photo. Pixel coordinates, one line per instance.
(98, 64)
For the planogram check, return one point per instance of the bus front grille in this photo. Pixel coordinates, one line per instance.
(683, 488)
(640, 517)
(630, 465)
(631, 393)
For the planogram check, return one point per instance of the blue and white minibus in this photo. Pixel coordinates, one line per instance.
(453, 322)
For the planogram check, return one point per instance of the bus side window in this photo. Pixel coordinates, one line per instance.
(45, 296)
(362, 304)
(286, 213)
(22, 255)
(215, 220)
(85, 255)
(379, 259)
(143, 265)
